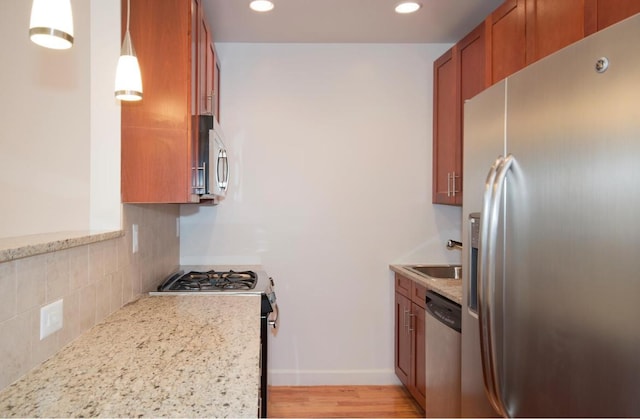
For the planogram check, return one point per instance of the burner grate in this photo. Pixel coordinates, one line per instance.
(214, 281)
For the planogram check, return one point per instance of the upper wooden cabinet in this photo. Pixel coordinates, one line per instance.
(471, 51)
(517, 33)
(524, 31)
(208, 70)
(158, 134)
(459, 74)
(603, 13)
(552, 25)
(507, 39)
(446, 136)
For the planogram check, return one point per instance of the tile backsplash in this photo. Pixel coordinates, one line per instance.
(93, 281)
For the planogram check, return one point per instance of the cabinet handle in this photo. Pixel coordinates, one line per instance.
(411, 316)
(405, 322)
(454, 191)
(199, 178)
(448, 184)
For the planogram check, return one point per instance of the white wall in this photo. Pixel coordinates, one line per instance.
(49, 101)
(105, 207)
(331, 182)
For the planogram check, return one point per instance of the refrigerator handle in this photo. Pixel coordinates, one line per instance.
(483, 308)
(494, 188)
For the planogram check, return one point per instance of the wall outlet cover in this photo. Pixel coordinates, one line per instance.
(51, 318)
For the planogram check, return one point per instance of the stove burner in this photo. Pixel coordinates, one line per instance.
(214, 281)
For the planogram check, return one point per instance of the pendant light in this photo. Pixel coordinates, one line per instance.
(51, 24)
(128, 78)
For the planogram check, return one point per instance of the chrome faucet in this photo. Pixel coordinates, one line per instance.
(452, 244)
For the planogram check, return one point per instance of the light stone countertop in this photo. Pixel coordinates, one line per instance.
(450, 288)
(24, 246)
(160, 356)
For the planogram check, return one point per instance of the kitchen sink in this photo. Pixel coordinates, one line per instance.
(438, 271)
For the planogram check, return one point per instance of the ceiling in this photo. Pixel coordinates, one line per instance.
(345, 21)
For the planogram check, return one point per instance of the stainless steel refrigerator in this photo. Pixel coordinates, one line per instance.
(551, 286)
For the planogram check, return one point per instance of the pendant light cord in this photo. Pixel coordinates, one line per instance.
(128, 13)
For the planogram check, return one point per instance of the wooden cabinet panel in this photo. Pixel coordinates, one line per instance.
(155, 165)
(402, 339)
(165, 76)
(603, 13)
(208, 71)
(471, 52)
(216, 86)
(459, 74)
(472, 75)
(446, 143)
(156, 133)
(205, 66)
(552, 25)
(418, 294)
(410, 337)
(507, 52)
(403, 285)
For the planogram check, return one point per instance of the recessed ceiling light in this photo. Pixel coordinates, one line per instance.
(261, 5)
(408, 7)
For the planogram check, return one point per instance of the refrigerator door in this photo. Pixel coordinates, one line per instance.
(568, 340)
(484, 141)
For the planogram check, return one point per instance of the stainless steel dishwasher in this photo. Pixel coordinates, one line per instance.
(442, 347)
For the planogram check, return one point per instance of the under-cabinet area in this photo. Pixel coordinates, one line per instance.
(172, 356)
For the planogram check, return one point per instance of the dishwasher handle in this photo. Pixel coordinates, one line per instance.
(444, 310)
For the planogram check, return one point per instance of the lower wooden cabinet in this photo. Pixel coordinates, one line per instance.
(410, 337)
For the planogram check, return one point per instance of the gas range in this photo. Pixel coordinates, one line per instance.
(214, 280)
(207, 280)
(210, 281)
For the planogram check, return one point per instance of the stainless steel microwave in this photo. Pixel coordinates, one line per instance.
(210, 174)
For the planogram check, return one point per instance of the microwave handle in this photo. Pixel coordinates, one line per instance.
(226, 171)
(223, 165)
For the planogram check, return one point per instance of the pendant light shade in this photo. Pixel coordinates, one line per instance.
(128, 77)
(51, 24)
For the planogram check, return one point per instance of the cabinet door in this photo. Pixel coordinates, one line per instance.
(216, 86)
(156, 141)
(403, 285)
(471, 57)
(603, 13)
(205, 66)
(552, 25)
(507, 28)
(403, 339)
(209, 92)
(446, 138)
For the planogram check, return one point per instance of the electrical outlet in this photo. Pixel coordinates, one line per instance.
(51, 319)
(134, 238)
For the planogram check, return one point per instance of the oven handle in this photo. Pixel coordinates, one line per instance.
(274, 322)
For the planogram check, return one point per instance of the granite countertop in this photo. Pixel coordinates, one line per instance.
(24, 246)
(178, 356)
(450, 288)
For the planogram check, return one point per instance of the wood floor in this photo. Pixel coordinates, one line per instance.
(342, 402)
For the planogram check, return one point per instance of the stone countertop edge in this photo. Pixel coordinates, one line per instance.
(450, 288)
(159, 356)
(12, 248)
